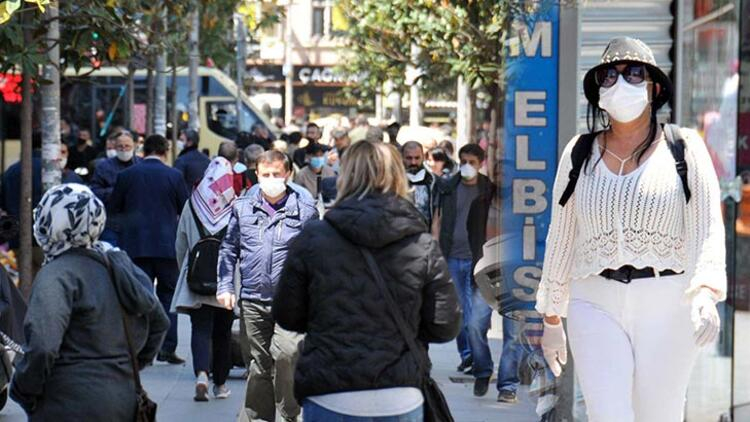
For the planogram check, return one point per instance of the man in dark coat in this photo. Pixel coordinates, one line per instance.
(105, 174)
(191, 162)
(451, 226)
(147, 199)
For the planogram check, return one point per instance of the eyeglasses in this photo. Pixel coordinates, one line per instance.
(632, 73)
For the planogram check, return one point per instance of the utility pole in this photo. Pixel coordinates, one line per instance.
(412, 77)
(464, 113)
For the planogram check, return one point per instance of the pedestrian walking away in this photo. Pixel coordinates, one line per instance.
(147, 200)
(191, 162)
(356, 364)
(203, 220)
(261, 225)
(635, 253)
(76, 347)
(451, 226)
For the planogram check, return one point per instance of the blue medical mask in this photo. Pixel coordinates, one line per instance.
(317, 162)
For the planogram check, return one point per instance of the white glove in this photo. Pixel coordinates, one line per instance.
(227, 300)
(554, 347)
(705, 317)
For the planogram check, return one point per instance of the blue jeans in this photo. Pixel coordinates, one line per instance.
(314, 413)
(461, 274)
(507, 372)
(479, 324)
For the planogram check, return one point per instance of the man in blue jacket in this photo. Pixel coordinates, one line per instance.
(262, 224)
(105, 174)
(191, 162)
(147, 200)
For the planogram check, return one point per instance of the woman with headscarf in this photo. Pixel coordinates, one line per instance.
(206, 214)
(76, 346)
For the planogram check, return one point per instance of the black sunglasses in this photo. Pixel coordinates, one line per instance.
(632, 73)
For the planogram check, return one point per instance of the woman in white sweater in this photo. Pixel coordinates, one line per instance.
(635, 256)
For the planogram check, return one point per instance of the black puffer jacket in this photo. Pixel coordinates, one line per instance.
(327, 291)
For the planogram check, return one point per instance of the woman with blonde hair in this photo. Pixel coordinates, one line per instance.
(343, 277)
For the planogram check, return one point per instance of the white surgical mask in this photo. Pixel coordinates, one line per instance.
(468, 171)
(624, 102)
(272, 186)
(63, 163)
(125, 156)
(180, 145)
(416, 177)
(111, 153)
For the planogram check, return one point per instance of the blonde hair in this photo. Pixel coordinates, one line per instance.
(371, 167)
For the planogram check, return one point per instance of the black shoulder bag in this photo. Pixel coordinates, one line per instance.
(146, 410)
(435, 406)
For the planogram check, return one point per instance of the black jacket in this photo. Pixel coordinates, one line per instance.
(446, 198)
(327, 291)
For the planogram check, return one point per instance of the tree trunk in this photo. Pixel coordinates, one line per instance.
(25, 221)
(160, 96)
(494, 149)
(50, 92)
(464, 113)
(150, 85)
(175, 112)
(415, 102)
(241, 58)
(193, 61)
(130, 95)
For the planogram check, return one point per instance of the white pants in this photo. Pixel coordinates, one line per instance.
(633, 347)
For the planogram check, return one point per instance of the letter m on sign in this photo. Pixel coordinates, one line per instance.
(540, 36)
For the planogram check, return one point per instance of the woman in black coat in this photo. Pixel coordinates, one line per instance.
(76, 365)
(355, 361)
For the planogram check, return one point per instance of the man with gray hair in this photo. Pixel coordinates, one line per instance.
(341, 142)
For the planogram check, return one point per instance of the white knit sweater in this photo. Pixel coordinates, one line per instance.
(639, 219)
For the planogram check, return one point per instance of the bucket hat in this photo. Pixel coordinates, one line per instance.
(628, 50)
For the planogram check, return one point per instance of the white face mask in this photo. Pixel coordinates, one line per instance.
(125, 156)
(111, 153)
(416, 177)
(624, 102)
(63, 163)
(272, 186)
(468, 171)
(180, 145)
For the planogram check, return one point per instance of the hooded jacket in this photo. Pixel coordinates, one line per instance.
(327, 291)
(76, 347)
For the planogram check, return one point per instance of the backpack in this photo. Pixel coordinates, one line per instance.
(204, 258)
(582, 150)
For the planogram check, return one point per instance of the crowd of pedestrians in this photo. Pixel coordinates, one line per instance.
(271, 231)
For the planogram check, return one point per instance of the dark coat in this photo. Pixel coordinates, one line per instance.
(327, 291)
(77, 365)
(446, 201)
(192, 163)
(147, 201)
(10, 198)
(105, 174)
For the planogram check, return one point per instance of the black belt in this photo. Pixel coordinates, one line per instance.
(627, 273)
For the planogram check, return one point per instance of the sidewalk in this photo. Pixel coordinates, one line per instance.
(172, 388)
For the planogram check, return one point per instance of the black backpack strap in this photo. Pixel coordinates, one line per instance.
(677, 148)
(581, 151)
(201, 230)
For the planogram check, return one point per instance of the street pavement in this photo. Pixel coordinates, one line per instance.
(171, 386)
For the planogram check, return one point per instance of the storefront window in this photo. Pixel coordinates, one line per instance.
(710, 80)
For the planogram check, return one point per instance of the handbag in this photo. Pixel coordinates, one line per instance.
(435, 406)
(146, 408)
